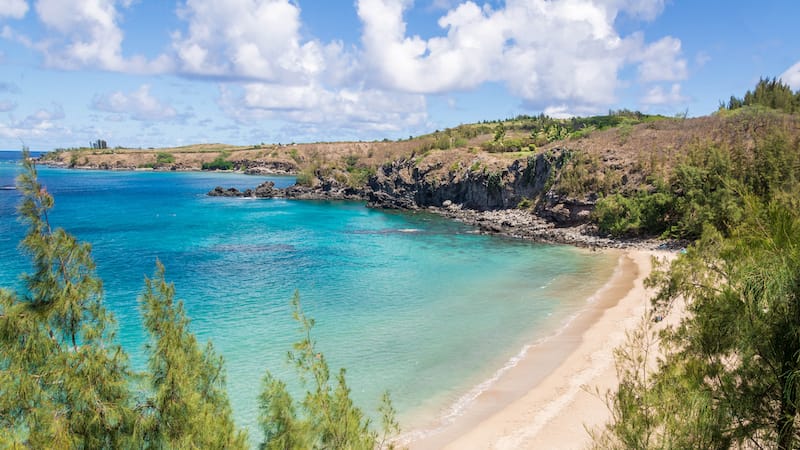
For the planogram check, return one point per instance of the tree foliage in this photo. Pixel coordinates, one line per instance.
(731, 371)
(770, 93)
(66, 383)
(187, 406)
(707, 187)
(53, 338)
(326, 417)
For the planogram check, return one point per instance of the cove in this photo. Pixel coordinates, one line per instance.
(409, 302)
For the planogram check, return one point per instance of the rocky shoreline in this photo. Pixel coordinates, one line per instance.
(524, 224)
(267, 189)
(510, 222)
(488, 201)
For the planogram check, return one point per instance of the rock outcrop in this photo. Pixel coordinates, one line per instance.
(405, 185)
(324, 190)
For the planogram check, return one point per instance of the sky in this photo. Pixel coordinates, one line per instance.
(158, 73)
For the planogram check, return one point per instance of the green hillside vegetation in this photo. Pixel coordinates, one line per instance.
(773, 94)
(707, 184)
(66, 383)
(728, 376)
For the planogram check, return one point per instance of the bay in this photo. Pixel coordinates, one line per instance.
(409, 302)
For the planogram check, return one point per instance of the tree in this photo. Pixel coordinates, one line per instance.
(326, 417)
(65, 382)
(770, 93)
(188, 406)
(54, 338)
(731, 374)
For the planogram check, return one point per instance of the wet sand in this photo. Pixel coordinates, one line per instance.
(550, 398)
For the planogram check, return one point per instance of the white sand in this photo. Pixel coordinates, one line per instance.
(571, 368)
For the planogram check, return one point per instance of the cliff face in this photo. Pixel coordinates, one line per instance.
(405, 185)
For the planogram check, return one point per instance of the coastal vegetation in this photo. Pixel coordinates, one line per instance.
(66, 383)
(768, 93)
(728, 375)
(726, 185)
(706, 185)
(219, 163)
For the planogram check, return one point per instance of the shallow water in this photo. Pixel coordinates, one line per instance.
(408, 302)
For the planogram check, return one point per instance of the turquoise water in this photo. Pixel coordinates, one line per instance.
(412, 303)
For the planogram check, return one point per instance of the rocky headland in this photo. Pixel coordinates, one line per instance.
(494, 202)
(529, 177)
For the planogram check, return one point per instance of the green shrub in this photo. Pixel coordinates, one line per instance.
(525, 203)
(305, 178)
(219, 163)
(164, 158)
(359, 176)
(295, 155)
(642, 214)
(494, 183)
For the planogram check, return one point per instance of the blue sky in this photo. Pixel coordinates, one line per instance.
(154, 73)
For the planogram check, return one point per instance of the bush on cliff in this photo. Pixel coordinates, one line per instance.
(219, 163)
(706, 188)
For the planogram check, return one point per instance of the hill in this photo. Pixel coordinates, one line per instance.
(599, 173)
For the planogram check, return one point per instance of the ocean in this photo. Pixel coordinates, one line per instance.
(410, 302)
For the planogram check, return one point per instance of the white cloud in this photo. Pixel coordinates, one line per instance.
(658, 96)
(253, 39)
(565, 111)
(364, 110)
(561, 56)
(273, 72)
(138, 105)
(792, 76)
(41, 123)
(643, 9)
(661, 61)
(546, 52)
(93, 37)
(15, 9)
(701, 58)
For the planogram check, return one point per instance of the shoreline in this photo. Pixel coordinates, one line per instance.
(555, 384)
(515, 223)
(563, 369)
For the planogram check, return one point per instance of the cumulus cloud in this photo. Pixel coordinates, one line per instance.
(253, 39)
(658, 96)
(355, 108)
(92, 35)
(43, 122)
(661, 61)
(546, 52)
(792, 76)
(138, 105)
(14, 9)
(561, 56)
(272, 72)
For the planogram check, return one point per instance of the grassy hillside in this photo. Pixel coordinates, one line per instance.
(639, 174)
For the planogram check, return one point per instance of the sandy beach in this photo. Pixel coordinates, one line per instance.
(566, 373)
